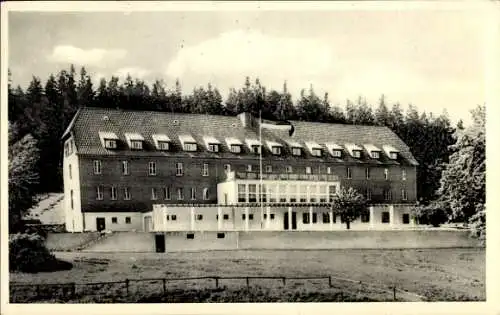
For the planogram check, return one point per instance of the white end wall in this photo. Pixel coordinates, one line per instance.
(73, 216)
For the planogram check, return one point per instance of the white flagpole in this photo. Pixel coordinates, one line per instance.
(260, 163)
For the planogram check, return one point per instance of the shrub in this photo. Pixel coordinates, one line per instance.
(27, 253)
(478, 223)
(433, 214)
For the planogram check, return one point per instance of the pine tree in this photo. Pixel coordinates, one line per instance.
(382, 113)
(84, 90)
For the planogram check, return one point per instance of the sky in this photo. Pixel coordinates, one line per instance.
(433, 59)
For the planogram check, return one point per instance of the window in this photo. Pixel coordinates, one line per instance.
(276, 150)
(154, 196)
(191, 147)
(328, 170)
(271, 216)
(193, 193)
(152, 168)
(227, 168)
(308, 170)
(221, 235)
(375, 154)
(288, 169)
(326, 217)
(368, 194)
(173, 217)
(113, 193)
(97, 167)
(403, 174)
(337, 153)
(316, 152)
(404, 194)
(356, 154)
(367, 173)
(334, 218)
(225, 216)
(242, 194)
(110, 144)
(128, 220)
(406, 218)
(269, 168)
(252, 193)
(166, 193)
(385, 217)
(296, 151)
(180, 193)
(394, 155)
(126, 193)
(99, 192)
(250, 216)
(163, 145)
(256, 149)
(249, 168)
(348, 174)
(386, 173)
(70, 173)
(125, 167)
(178, 169)
(205, 193)
(136, 145)
(114, 220)
(365, 217)
(190, 236)
(305, 218)
(235, 148)
(199, 217)
(332, 191)
(205, 169)
(315, 217)
(387, 194)
(71, 198)
(213, 147)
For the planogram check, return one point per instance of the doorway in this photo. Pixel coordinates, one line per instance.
(100, 224)
(294, 221)
(160, 243)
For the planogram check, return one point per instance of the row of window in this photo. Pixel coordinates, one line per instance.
(306, 218)
(179, 170)
(165, 191)
(128, 220)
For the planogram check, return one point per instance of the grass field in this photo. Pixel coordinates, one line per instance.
(437, 274)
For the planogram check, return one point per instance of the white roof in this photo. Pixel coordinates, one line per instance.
(294, 144)
(210, 140)
(388, 149)
(134, 136)
(186, 139)
(311, 145)
(271, 144)
(252, 142)
(333, 146)
(233, 141)
(108, 135)
(160, 137)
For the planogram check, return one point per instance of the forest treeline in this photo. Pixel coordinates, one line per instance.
(44, 109)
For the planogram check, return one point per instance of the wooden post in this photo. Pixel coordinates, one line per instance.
(248, 283)
(330, 281)
(394, 290)
(164, 286)
(126, 285)
(216, 282)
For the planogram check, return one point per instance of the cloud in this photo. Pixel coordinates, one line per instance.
(135, 72)
(86, 57)
(236, 54)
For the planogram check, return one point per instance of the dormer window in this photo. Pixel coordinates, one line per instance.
(373, 151)
(375, 154)
(296, 151)
(316, 152)
(136, 145)
(211, 143)
(276, 150)
(254, 145)
(394, 155)
(110, 144)
(334, 149)
(109, 140)
(337, 153)
(391, 152)
(356, 154)
(235, 148)
(213, 147)
(134, 140)
(188, 143)
(162, 142)
(274, 147)
(354, 150)
(256, 149)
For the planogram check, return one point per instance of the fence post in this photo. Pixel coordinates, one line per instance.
(126, 285)
(284, 281)
(164, 286)
(216, 282)
(330, 281)
(248, 283)
(394, 290)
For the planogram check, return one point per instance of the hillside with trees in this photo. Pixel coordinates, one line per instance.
(45, 108)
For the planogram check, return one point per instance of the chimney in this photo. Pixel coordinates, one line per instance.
(247, 120)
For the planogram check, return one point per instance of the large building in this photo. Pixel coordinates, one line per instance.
(155, 171)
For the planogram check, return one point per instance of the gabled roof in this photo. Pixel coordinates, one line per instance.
(229, 128)
(311, 145)
(160, 137)
(370, 148)
(252, 142)
(333, 146)
(108, 135)
(293, 144)
(351, 147)
(186, 139)
(134, 136)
